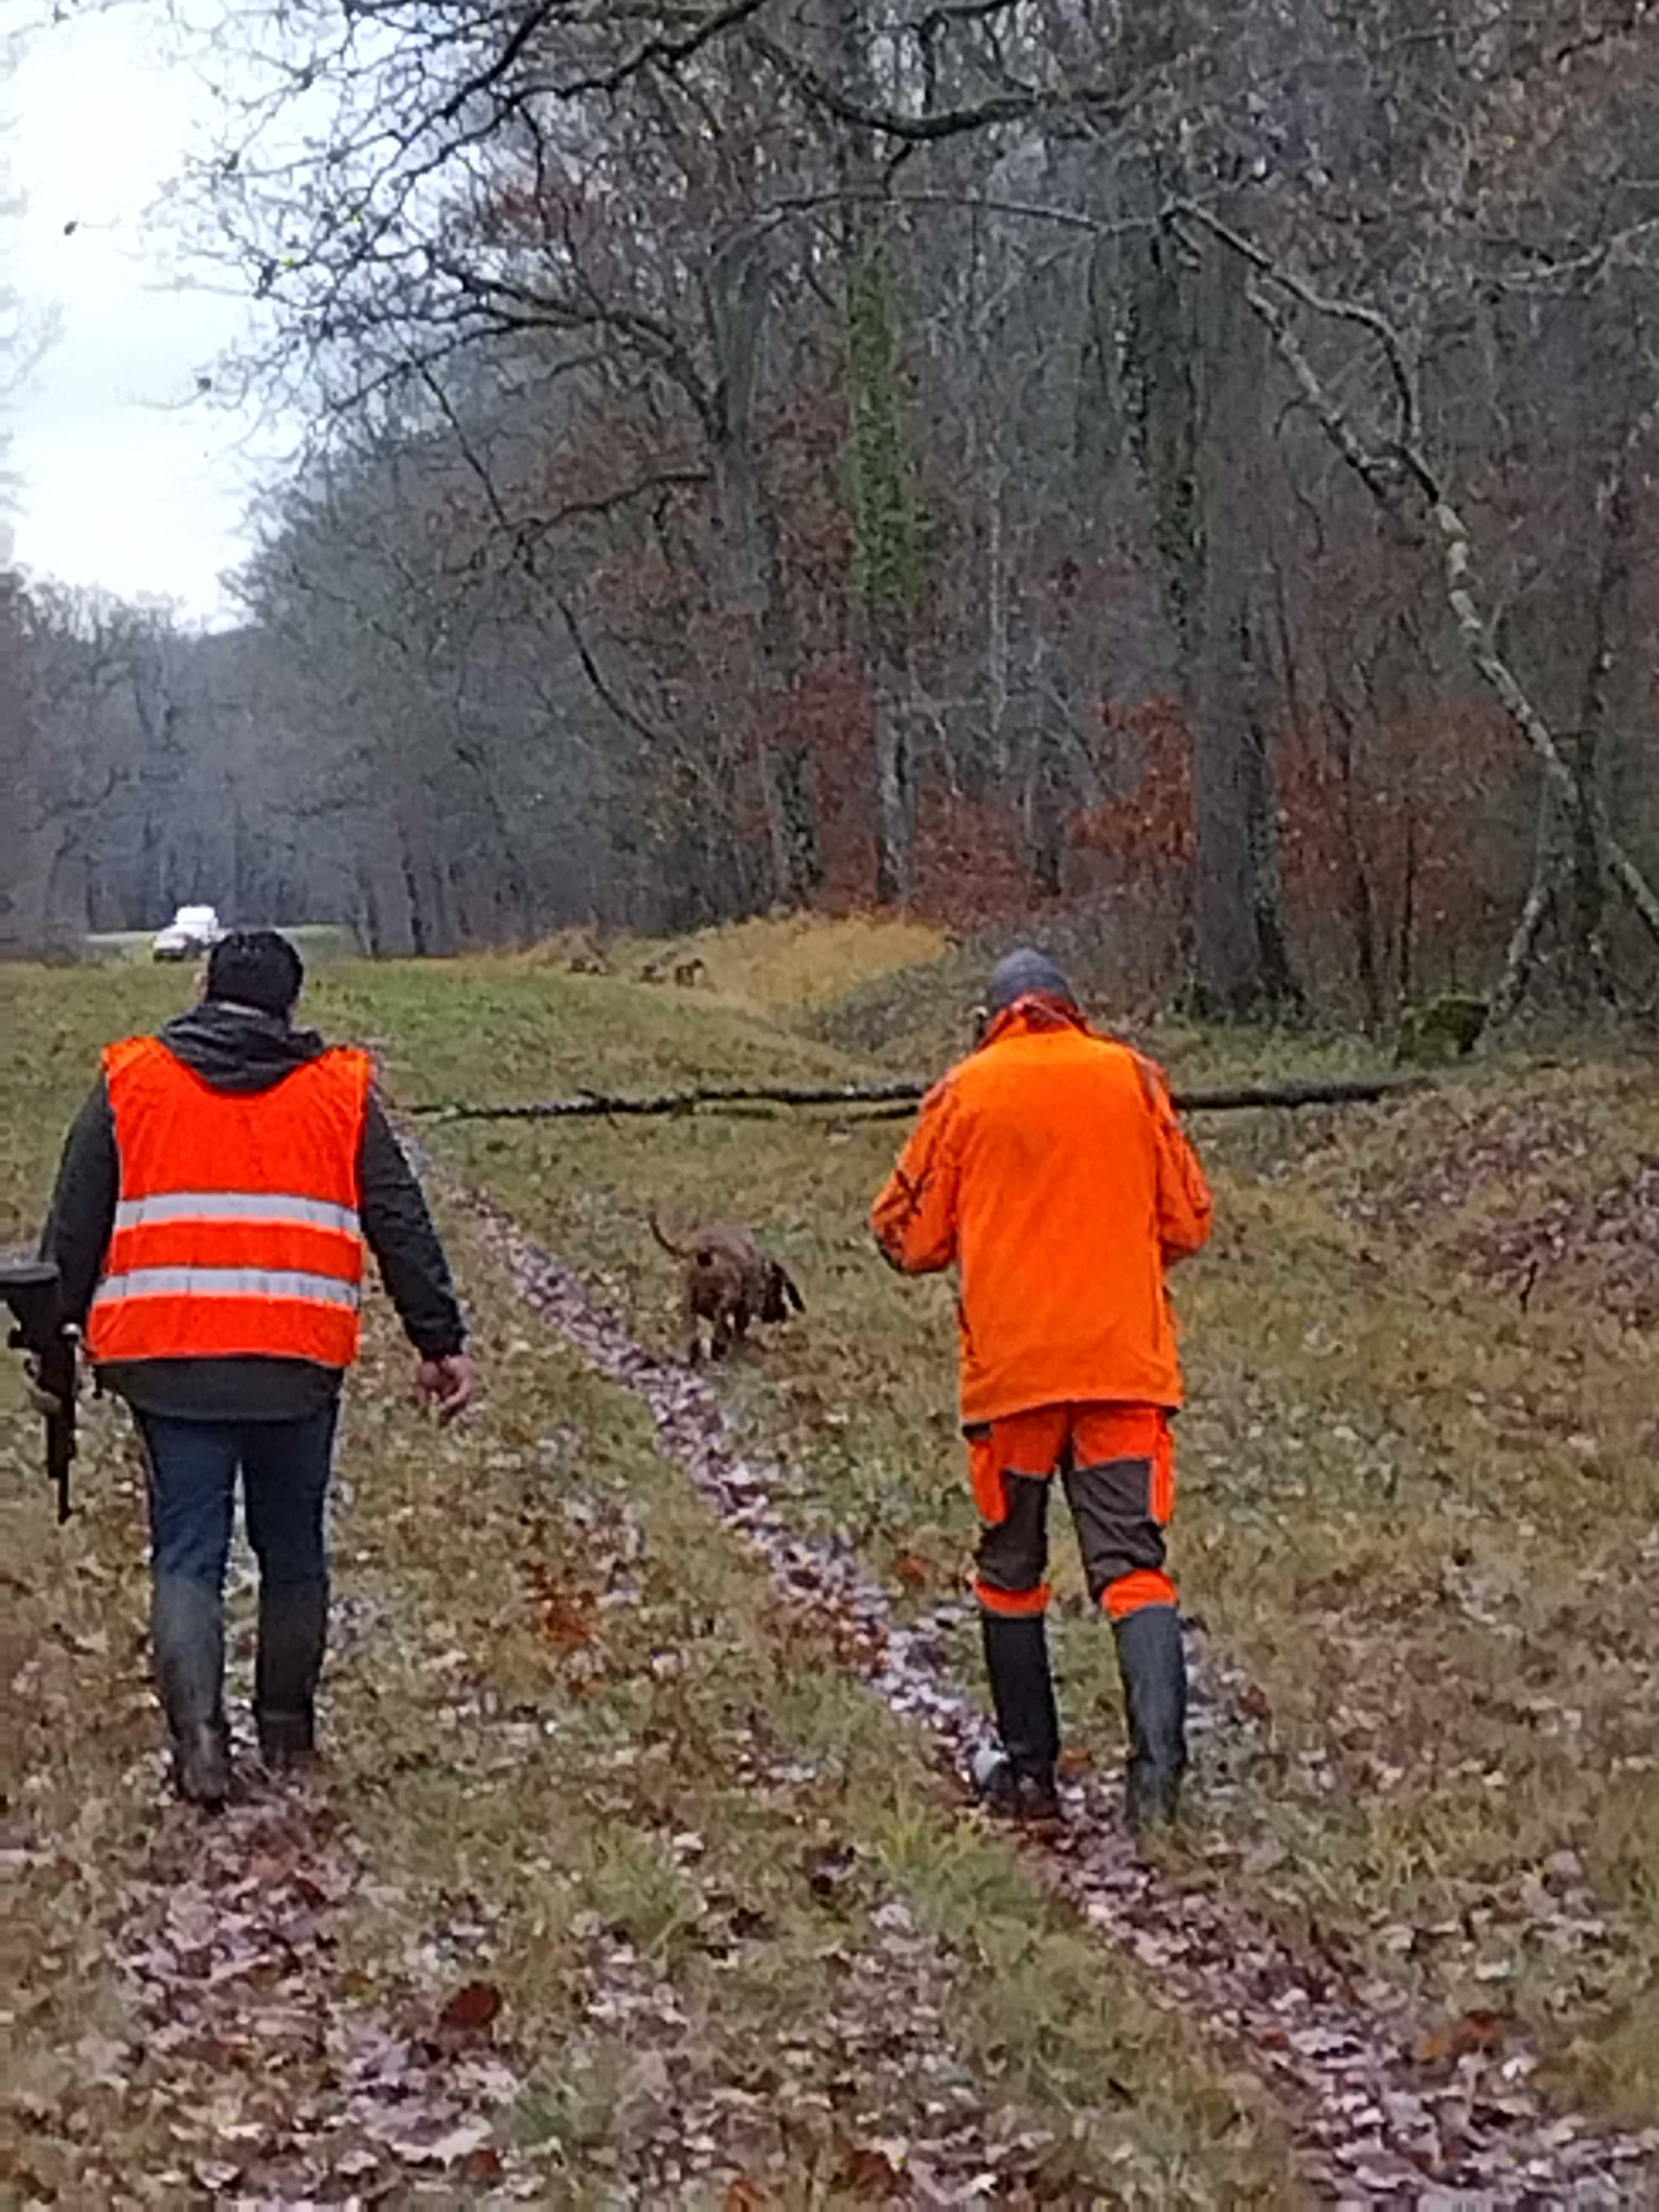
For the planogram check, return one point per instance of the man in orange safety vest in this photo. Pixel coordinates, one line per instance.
(209, 1224)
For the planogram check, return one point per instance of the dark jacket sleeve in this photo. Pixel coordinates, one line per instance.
(404, 1243)
(82, 1215)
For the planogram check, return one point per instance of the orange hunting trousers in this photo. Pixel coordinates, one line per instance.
(1117, 1463)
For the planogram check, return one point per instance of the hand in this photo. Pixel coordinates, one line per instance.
(448, 1383)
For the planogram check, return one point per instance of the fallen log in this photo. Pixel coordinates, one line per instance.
(900, 1091)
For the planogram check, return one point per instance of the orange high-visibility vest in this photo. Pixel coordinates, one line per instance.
(236, 1231)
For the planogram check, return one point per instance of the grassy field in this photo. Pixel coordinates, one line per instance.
(791, 966)
(316, 941)
(577, 1750)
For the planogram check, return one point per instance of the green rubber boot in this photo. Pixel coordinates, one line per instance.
(293, 1629)
(1153, 1665)
(1017, 1780)
(187, 1635)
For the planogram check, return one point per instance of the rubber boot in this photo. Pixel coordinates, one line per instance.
(1020, 1779)
(293, 1627)
(1153, 1664)
(187, 1633)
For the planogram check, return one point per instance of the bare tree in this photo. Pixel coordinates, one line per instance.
(777, 448)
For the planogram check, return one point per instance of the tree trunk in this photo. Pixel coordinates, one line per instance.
(25, 868)
(1044, 812)
(1588, 973)
(895, 778)
(996, 613)
(1523, 942)
(386, 892)
(1199, 362)
(885, 553)
(736, 297)
(1407, 959)
(792, 813)
(1244, 956)
(1362, 906)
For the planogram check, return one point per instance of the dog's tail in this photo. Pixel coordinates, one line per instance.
(675, 1251)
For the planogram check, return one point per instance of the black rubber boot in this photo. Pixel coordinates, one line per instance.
(1020, 1781)
(187, 1634)
(1153, 1664)
(293, 1627)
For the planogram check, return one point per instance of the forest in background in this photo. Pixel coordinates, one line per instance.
(974, 455)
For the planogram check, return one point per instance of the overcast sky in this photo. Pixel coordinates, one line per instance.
(130, 480)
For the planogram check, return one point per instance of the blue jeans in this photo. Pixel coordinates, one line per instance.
(192, 1494)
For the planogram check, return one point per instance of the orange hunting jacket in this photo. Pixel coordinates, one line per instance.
(1050, 1168)
(236, 1231)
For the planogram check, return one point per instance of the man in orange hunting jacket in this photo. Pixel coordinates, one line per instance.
(1050, 1168)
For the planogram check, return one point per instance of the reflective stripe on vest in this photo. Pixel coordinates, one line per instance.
(228, 1283)
(235, 1205)
(236, 1231)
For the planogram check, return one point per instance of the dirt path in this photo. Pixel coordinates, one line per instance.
(1372, 2124)
(256, 2043)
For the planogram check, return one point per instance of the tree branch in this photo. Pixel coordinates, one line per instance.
(1386, 475)
(1347, 311)
(618, 706)
(1316, 1091)
(928, 130)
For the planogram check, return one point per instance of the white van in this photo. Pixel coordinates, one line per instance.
(192, 929)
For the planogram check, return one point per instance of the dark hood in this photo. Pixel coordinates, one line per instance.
(239, 1047)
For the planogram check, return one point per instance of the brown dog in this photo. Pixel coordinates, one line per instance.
(727, 1281)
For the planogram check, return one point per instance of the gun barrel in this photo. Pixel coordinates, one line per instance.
(60, 1450)
(32, 1289)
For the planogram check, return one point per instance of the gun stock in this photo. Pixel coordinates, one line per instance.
(31, 1289)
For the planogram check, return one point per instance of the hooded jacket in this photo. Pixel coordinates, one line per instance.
(1049, 1168)
(240, 1048)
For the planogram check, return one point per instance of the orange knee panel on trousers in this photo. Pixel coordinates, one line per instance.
(1013, 1605)
(1050, 1439)
(1129, 1593)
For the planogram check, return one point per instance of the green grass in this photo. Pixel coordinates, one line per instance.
(1419, 1517)
(786, 967)
(626, 1807)
(1415, 1514)
(315, 941)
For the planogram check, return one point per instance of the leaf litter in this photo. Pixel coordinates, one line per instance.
(306, 2086)
(1384, 2108)
(273, 2051)
(868, 2083)
(1566, 1230)
(248, 2030)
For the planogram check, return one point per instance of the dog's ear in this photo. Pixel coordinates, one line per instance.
(780, 1294)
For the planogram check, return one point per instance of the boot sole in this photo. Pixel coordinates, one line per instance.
(201, 1768)
(286, 1739)
(1043, 1816)
(1154, 1819)
(208, 1791)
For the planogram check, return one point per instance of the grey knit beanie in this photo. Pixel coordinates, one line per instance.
(1017, 974)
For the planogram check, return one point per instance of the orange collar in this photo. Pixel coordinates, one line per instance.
(1037, 1011)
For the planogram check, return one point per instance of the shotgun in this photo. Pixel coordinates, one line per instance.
(30, 1288)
